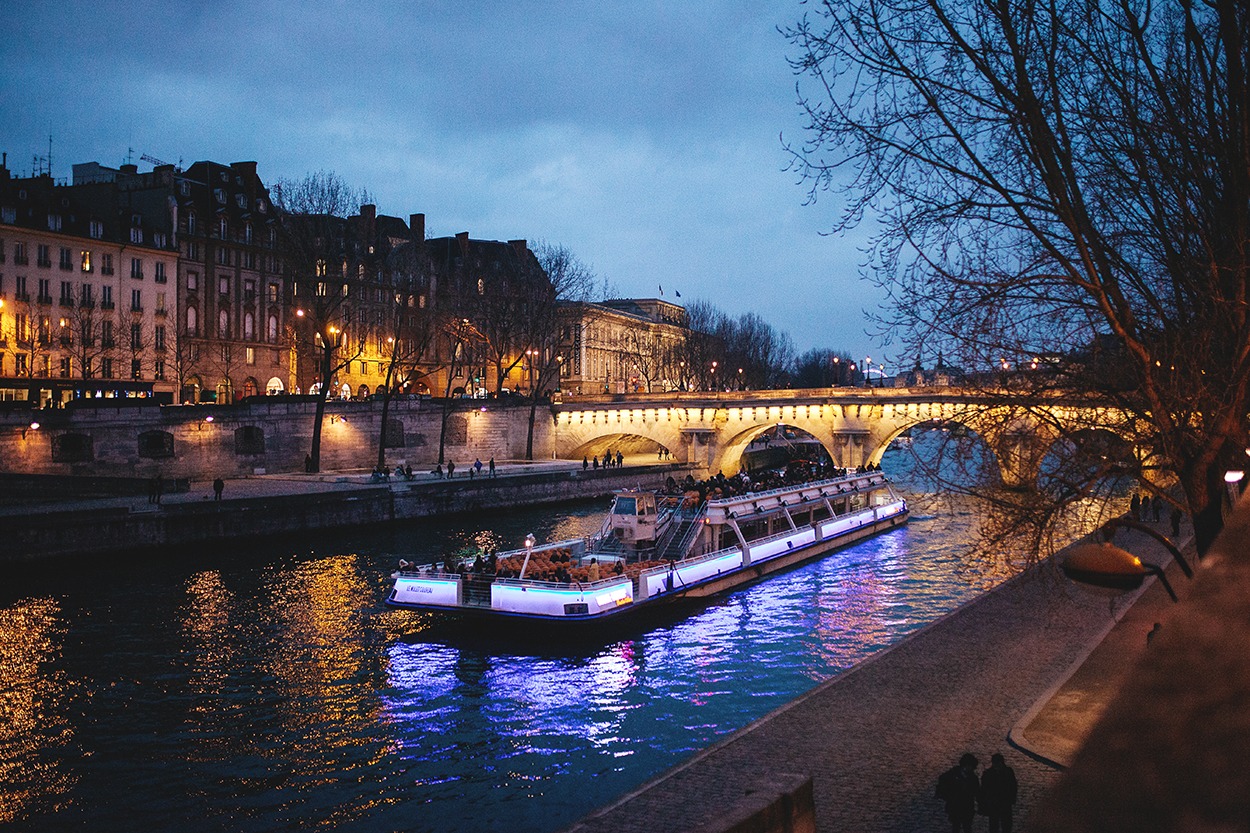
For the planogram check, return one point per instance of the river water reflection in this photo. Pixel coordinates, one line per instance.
(269, 689)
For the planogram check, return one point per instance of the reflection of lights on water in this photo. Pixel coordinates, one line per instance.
(32, 702)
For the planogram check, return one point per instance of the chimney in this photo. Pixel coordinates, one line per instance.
(416, 222)
(520, 247)
(463, 239)
(368, 224)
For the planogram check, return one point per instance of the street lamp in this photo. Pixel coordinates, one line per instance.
(713, 375)
(529, 549)
(837, 377)
(1109, 567)
(867, 371)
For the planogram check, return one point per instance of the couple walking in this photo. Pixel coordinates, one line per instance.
(993, 793)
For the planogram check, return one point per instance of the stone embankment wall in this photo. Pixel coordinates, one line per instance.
(175, 526)
(271, 434)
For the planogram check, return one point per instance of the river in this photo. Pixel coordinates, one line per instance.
(267, 688)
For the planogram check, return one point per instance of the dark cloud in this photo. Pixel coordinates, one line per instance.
(642, 135)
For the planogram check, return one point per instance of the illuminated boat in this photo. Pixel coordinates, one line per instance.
(654, 550)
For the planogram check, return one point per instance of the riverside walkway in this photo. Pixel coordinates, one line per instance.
(1024, 670)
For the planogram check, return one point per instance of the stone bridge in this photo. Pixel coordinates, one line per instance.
(713, 430)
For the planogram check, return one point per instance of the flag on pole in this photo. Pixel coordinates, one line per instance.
(661, 289)
(675, 292)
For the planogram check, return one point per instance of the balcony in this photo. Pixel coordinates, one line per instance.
(106, 305)
(44, 299)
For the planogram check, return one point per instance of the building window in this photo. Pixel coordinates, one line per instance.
(106, 367)
(159, 272)
(219, 194)
(193, 321)
(86, 260)
(136, 300)
(223, 284)
(158, 370)
(106, 334)
(20, 257)
(106, 297)
(67, 259)
(106, 264)
(20, 364)
(193, 250)
(136, 235)
(67, 367)
(249, 259)
(249, 326)
(96, 229)
(273, 328)
(136, 268)
(223, 256)
(158, 337)
(54, 222)
(191, 222)
(273, 293)
(249, 354)
(45, 291)
(8, 214)
(193, 281)
(136, 335)
(67, 293)
(223, 323)
(160, 302)
(247, 230)
(44, 255)
(85, 295)
(249, 290)
(135, 371)
(223, 228)
(158, 239)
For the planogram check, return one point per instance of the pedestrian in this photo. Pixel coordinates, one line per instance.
(592, 573)
(998, 794)
(492, 466)
(1134, 507)
(586, 463)
(308, 466)
(438, 471)
(958, 787)
(1176, 521)
(620, 459)
(1156, 507)
(596, 462)
(219, 485)
(160, 488)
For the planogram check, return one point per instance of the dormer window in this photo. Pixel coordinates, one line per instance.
(158, 239)
(191, 222)
(96, 229)
(136, 235)
(54, 222)
(220, 195)
(222, 228)
(260, 206)
(240, 200)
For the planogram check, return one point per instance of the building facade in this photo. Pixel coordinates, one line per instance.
(623, 346)
(88, 289)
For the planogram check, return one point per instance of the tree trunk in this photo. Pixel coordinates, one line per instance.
(529, 439)
(327, 353)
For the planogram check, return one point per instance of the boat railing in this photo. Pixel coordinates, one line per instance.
(873, 479)
(585, 586)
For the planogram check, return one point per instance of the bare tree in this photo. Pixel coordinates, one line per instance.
(313, 245)
(1050, 175)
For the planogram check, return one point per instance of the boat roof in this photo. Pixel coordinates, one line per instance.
(775, 499)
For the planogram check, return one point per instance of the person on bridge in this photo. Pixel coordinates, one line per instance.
(958, 787)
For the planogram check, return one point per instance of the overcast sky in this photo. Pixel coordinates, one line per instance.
(642, 136)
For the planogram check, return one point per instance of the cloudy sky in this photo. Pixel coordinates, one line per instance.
(644, 136)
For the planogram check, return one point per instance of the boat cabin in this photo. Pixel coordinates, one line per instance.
(634, 518)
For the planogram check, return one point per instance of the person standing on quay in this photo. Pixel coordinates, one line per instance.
(492, 466)
(219, 485)
(998, 793)
(958, 787)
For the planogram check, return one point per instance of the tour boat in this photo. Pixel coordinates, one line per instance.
(654, 550)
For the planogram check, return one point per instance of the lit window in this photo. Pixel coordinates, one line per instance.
(86, 261)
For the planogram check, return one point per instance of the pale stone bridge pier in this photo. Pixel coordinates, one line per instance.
(711, 431)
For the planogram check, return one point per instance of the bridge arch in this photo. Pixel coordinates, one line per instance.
(711, 430)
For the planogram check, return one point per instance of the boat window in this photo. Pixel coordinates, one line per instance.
(625, 506)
